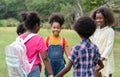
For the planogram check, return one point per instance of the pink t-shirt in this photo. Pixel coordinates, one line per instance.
(34, 46)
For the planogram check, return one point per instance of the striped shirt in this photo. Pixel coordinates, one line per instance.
(84, 57)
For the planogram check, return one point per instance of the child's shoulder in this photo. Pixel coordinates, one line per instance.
(111, 29)
(37, 38)
(94, 46)
(77, 47)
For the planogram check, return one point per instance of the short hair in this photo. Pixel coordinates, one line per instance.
(85, 26)
(56, 17)
(106, 12)
(20, 29)
(31, 19)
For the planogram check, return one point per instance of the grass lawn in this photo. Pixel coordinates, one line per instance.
(8, 35)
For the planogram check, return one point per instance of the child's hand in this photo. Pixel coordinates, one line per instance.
(97, 68)
(50, 76)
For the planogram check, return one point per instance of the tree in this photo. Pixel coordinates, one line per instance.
(89, 5)
(2, 8)
(14, 7)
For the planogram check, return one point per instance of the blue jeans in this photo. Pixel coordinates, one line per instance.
(35, 72)
(55, 54)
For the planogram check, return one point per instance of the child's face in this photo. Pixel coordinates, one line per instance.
(56, 28)
(100, 20)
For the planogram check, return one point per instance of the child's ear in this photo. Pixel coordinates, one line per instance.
(36, 27)
(37, 24)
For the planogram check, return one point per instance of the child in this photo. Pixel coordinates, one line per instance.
(35, 45)
(85, 56)
(104, 38)
(56, 44)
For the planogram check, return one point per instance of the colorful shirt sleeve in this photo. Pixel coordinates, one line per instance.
(41, 45)
(74, 55)
(66, 43)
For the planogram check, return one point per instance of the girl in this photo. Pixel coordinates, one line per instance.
(56, 44)
(35, 45)
(104, 38)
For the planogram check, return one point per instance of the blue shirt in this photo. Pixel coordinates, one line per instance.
(84, 57)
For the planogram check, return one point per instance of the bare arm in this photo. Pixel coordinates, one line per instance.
(46, 62)
(98, 67)
(67, 52)
(65, 70)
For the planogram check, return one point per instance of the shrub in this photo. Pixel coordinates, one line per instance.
(117, 28)
(9, 22)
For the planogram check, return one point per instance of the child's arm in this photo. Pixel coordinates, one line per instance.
(108, 50)
(98, 67)
(67, 52)
(46, 62)
(66, 48)
(65, 69)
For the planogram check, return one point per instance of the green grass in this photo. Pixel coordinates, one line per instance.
(8, 35)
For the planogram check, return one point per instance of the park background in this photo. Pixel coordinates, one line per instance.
(71, 9)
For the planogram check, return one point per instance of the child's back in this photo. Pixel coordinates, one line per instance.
(84, 57)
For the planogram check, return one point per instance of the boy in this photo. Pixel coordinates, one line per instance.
(85, 57)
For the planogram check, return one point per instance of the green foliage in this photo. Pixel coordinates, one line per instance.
(117, 28)
(9, 22)
(12, 8)
(2, 8)
(68, 11)
(91, 4)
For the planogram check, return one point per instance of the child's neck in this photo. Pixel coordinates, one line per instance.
(55, 35)
(83, 38)
(27, 32)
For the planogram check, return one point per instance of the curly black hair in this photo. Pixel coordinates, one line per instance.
(20, 29)
(56, 17)
(30, 19)
(85, 26)
(107, 13)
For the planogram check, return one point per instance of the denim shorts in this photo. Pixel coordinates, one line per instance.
(57, 66)
(35, 72)
(55, 55)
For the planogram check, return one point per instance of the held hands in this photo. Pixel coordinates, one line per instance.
(97, 68)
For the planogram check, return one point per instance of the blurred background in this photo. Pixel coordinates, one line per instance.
(71, 9)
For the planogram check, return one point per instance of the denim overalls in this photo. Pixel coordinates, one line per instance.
(55, 54)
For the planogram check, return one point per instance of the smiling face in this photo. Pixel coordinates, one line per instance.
(100, 20)
(56, 28)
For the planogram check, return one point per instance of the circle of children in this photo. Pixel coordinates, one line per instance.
(91, 57)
